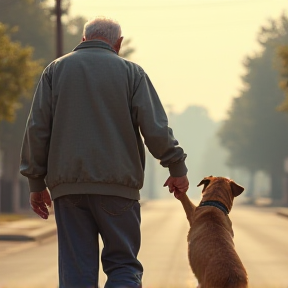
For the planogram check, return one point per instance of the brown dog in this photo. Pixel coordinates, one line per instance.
(211, 252)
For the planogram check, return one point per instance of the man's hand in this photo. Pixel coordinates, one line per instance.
(177, 185)
(39, 202)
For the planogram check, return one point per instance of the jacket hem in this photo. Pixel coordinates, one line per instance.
(94, 188)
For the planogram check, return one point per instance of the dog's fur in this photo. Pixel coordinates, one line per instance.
(211, 252)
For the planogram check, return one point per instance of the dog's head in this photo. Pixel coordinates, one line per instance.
(220, 189)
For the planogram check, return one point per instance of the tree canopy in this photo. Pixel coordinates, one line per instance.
(17, 74)
(255, 132)
(35, 21)
(283, 54)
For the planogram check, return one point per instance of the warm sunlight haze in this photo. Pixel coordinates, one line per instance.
(192, 50)
(96, 132)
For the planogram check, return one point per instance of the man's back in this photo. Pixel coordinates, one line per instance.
(92, 90)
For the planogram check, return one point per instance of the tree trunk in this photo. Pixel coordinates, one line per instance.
(250, 189)
(11, 140)
(10, 192)
(285, 190)
(251, 186)
(277, 187)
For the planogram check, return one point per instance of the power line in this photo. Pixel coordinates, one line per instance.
(179, 5)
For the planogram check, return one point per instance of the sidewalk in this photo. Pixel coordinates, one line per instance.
(30, 229)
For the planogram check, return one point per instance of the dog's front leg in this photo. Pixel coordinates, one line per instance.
(188, 206)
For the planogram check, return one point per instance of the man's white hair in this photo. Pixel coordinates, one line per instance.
(102, 27)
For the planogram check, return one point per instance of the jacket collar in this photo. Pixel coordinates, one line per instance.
(94, 44)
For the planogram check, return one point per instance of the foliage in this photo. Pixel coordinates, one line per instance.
(34, 26)
(235, 134)
(17, 74)
(283, 54)
(35, 20)
(194, 123)
(126, 49)
(254, 131)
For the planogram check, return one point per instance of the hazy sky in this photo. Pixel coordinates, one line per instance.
(192, 50)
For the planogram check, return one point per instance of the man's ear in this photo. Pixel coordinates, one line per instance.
(83, 39)
(236, 188)
(117, 45)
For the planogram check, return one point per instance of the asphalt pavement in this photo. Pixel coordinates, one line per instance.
(38, 229)
(31, 243)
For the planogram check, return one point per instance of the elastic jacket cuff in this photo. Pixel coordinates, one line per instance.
(178, 169)
(37, 185)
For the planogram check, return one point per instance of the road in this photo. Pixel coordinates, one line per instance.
(261, 239)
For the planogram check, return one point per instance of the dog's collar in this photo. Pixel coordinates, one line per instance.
(216, 204)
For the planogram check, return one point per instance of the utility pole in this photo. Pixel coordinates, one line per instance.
(59, 36)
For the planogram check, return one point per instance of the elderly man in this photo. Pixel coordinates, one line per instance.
(83, 141)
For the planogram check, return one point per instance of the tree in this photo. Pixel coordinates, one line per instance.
(254, 132)
(283, 55)
(34, 25)
(193, 128)
(36, 28)
(126, 49)
(17, 74)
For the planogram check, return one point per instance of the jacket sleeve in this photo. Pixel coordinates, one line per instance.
(35, 146)
(151, 118)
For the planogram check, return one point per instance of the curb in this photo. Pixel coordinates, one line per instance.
(32, 229)
(37, 235)
(282, 212)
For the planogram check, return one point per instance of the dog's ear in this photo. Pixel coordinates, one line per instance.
(236, 188)
(204, 182)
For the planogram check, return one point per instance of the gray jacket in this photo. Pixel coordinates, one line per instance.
(84, 131)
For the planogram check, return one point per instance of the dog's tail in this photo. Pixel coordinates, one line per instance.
(188, 206)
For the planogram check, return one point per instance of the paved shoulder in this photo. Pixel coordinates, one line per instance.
(31, 229)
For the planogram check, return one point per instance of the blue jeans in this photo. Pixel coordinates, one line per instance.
(80, 219)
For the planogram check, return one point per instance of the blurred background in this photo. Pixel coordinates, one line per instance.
(220, 68)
